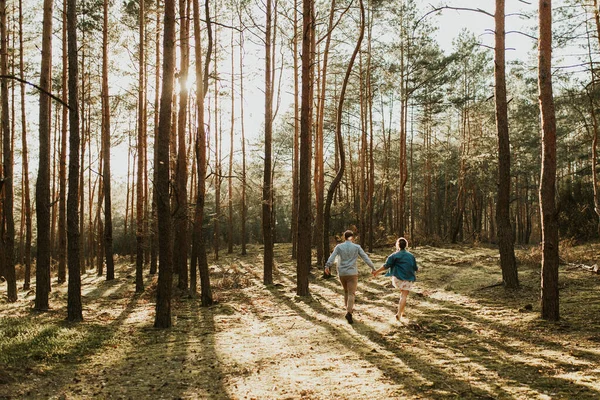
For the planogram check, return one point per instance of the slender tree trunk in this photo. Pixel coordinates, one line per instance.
(8, 240)
(508, 262)
(141, 165)
(547, 191)
(320, 234)
(304, 213)
(244, 207)
(198, 245)
(74, 306)
(162, 145)
(42, 195)
(108, 228)
(154, 229)
(231, 149)
(62, 166)
(267, 195)
(595, 138)
(25, 158)
(295, 163)
(338, 131)
(181, 215)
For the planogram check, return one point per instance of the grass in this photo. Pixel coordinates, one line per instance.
(466, 338)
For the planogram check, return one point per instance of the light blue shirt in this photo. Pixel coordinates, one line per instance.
(348, 253)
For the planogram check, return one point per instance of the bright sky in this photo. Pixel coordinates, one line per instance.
(519, 46)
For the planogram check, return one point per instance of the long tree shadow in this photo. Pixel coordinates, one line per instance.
(418, 378)
(180, 362)
(492, 354)
(86, 339)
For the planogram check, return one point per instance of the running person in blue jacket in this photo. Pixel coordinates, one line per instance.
(402, 267)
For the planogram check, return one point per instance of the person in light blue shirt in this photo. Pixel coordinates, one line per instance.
(402, 267)
(348, 252)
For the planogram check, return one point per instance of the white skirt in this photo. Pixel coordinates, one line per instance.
(402, 285)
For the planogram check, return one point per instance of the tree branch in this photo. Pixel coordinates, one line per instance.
(58, 99)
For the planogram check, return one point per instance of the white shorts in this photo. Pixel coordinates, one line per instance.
(401, 285)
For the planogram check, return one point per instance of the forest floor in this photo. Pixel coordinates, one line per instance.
(465, 338)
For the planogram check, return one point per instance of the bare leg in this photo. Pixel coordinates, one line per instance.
(402, 304)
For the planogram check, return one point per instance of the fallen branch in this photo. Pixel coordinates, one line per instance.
(590, 268)
(491, 286)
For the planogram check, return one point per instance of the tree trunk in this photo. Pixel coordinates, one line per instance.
(508, 262)
(108, 229)
(25, 157)
(595, 133)
(338, 131)
(154, 229)
(181, 206)
(231, 149)
(8, 240)
(267, 195)
(547, 191)
(296, 158)
(42, 195)
(162, 145)
(244, 207)
(141, 135)
(304, 213)
(62, 166)
(198, 245)
(74, 307)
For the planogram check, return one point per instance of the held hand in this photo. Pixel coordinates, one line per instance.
(327, 271)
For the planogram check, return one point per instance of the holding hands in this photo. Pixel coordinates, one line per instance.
(376, 272)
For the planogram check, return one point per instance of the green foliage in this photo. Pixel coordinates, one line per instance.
(576, 217)
(26, 341)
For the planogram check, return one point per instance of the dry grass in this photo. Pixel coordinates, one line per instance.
(466, 338)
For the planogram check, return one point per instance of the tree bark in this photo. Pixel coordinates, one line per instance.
(62, 166)
(74, 306)
(141, 164)
(108, 228)
(244, 207)
(25, 158)
(8, 240)
(508, 262)
(547, 191)
(338, 131)
(304, 214)
(181, 206)
(165, 268)
(198, 245)
(267, 195)
(42, 195)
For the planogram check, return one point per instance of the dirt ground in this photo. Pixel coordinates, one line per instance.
(466, 337)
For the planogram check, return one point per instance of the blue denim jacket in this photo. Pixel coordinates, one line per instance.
(348, 253)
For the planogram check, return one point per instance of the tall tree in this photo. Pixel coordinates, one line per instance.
(25, 158)
(303, 262)
(8, 240)
(141, 164)
(74, 307)
(42, 195)
(62, 165)
(508, 262)
(161, 147)
(181, 215)
(267, 191)
(244, 207)
(106, 171)
(338, 131)
(547, 191)
(296, 161)
(319, 166)
(198, 245)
